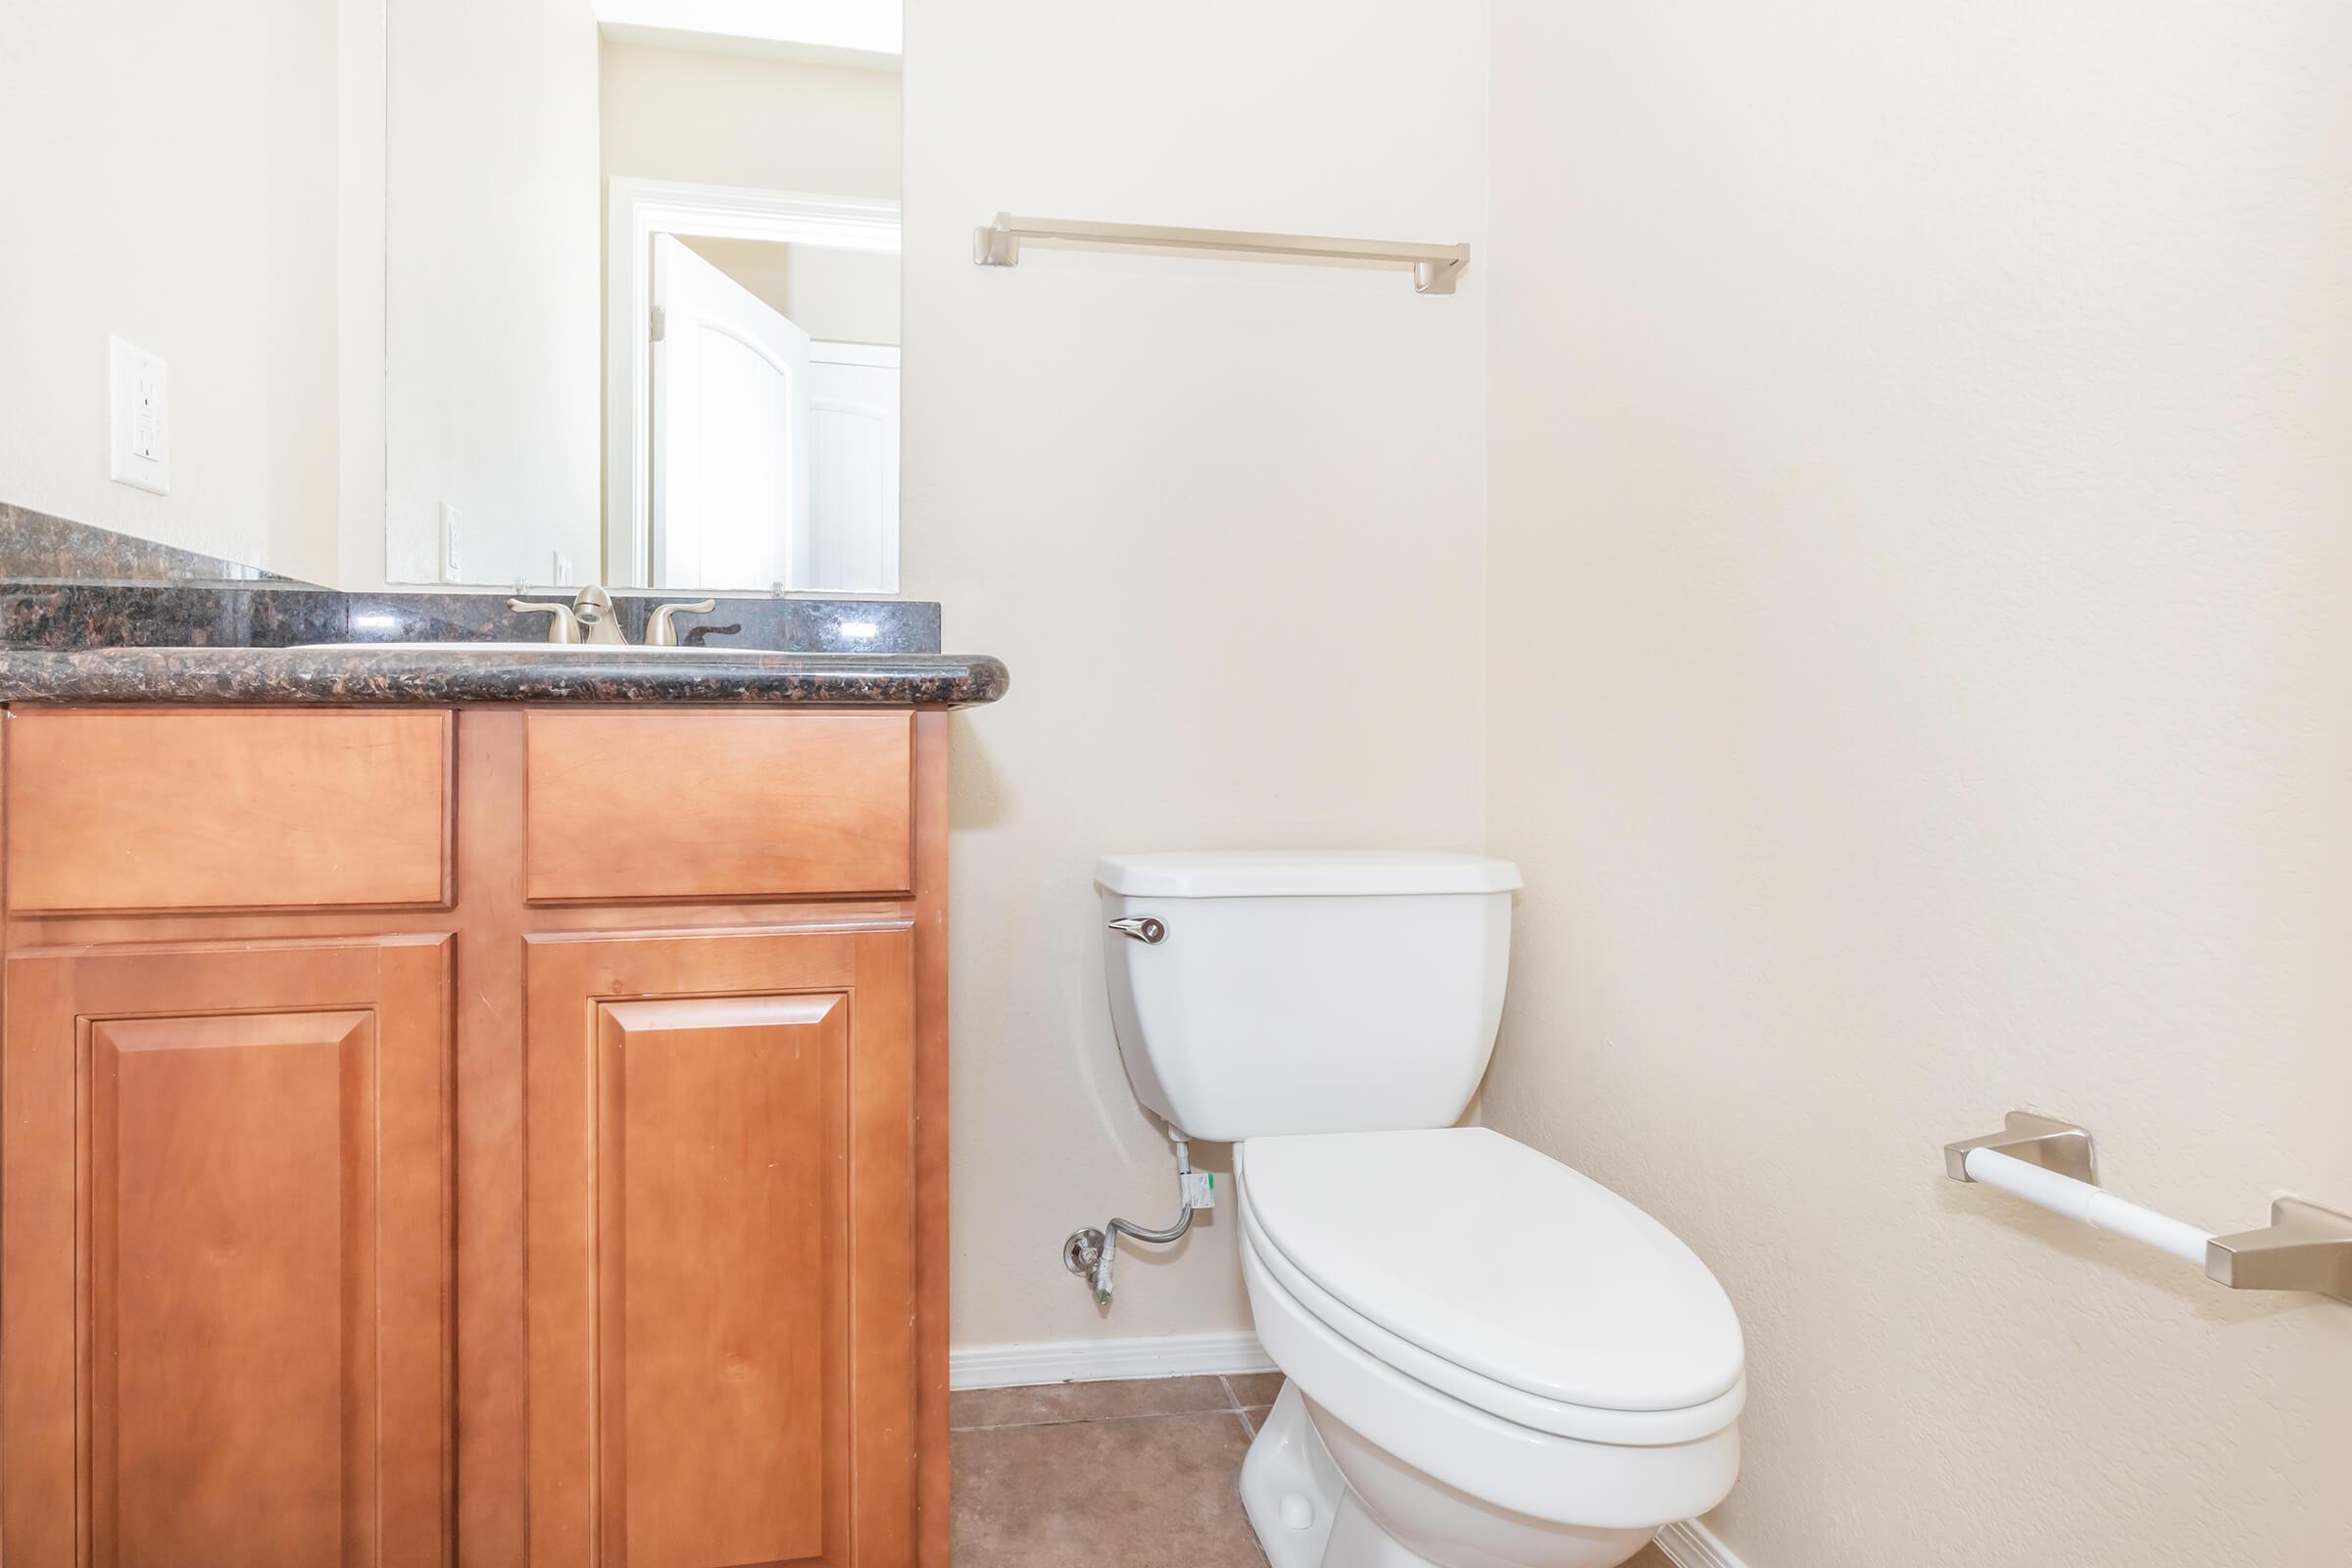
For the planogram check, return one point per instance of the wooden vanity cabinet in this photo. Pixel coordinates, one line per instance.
(482, 1137)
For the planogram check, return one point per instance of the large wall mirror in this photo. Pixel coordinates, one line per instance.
(642, 293)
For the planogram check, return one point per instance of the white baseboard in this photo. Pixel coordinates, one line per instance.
(1692, 1544)
(1004, 1366)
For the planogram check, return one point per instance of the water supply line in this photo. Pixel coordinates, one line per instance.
(1089, 1252)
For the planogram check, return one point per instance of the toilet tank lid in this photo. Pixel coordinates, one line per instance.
(1302, 873)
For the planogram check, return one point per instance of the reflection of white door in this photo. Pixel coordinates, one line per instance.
(730, 431)
(854, 468)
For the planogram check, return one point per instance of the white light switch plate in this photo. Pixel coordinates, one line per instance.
(139, 418)
(453, 544)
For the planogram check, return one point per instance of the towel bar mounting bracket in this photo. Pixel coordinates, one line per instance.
(2045, 1141)
(2304, 1247)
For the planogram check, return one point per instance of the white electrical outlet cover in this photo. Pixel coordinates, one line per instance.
(138, 417)
(453, 553)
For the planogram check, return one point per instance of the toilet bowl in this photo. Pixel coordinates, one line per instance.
(1492, 1361)
(1388, 1451)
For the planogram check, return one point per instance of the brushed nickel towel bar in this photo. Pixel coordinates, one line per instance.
(1435, 266)
(2055, 1164)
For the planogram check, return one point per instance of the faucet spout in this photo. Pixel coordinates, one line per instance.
(592, 609)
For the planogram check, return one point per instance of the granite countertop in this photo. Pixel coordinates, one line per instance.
(394, 673)
(87, 615)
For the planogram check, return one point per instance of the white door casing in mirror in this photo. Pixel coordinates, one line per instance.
(639, 211)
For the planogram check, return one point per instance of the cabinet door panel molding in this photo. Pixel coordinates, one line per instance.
(722, 1269)
(772, 1065)
(226, 1265)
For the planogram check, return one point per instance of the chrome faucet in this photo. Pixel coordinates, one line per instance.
(598, 622)
(591, 618)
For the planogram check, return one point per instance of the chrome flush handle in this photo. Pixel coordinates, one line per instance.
(1142, 927)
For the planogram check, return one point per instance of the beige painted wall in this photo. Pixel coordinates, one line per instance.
(835, 296)
(740, 119)
(493, 294)
(1223, 521)
(1915, 649)
(168, 176)
(1921, 686)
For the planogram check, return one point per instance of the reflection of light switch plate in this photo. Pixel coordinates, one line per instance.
(139, 418)
(453, 553)
(562, 569)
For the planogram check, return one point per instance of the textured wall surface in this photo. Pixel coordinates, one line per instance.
(1922, 685)
(1224, 521)
(168, 176)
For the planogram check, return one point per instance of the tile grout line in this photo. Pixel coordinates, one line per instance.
(1097, 1420)
(1232, 1406)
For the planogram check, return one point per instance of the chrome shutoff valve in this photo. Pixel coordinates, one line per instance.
(1088, 1254)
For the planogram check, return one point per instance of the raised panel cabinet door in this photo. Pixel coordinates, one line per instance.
(224, 1257)
(722, 1248)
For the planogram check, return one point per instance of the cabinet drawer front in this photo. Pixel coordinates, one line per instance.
(708, 805)
(113, 811)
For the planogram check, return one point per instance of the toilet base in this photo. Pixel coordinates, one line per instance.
(1306, 1515)
(1288, 1464)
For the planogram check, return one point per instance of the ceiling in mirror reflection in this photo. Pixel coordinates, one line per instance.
(642, 294)
(865, 33)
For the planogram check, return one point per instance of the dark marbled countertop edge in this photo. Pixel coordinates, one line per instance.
(390, 674)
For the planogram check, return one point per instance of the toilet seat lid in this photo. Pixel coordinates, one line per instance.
(1506, 1264)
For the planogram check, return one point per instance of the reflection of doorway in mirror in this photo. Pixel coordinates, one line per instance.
(728, 429)
(854, 466)
(774, 459)
(532, 153)
(753, 433)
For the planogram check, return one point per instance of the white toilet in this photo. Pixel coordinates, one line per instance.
(1493, 1361)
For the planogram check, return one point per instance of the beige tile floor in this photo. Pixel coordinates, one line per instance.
(1113, 1475)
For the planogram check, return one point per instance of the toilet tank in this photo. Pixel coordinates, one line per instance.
(1307, 991)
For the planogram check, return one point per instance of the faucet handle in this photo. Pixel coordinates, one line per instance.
(563, 627)
(661, 629)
